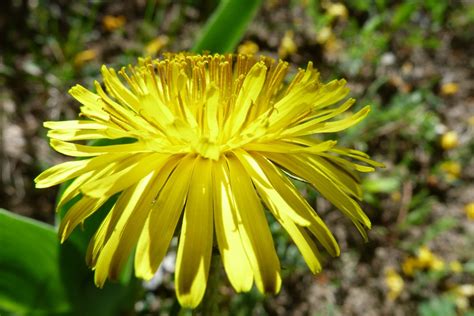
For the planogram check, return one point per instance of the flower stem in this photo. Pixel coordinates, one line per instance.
(210, 302)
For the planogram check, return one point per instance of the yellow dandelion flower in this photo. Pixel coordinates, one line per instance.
(337, 10)
(449, 88)
(449, 140)
(427, 259)
(394, 283)
(410, 265)
(469, 209)
(215, 139)
(455, 266)
(425, 256)
(85, 56)
(287, 45)
(437, 264)
(324, 35)
(111, 23)
(452, 169)
(462, 293)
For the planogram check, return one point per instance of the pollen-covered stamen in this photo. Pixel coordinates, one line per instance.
(213, 104)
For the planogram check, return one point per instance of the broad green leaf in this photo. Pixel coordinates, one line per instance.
(30, 279)
(226, 26)
(40, 276)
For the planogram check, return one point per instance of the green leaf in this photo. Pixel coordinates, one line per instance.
(225, 28)
(438, 306)
(40, 276)
(403, 13)
(381, 185)
(29, 258)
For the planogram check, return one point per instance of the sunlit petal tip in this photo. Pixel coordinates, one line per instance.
(205, 144)
(73, 89)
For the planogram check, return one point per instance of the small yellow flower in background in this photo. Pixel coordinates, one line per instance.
(287, 45)
(324, 35)
(85, 56)
(410, 265)
(331, 44)
(449, 140)
(248, 47)
(156, 45)
(449, 88)
(425, 259)
(337, 10)
(214, 137)
(425, 256)
(429, 260)
(437, 264)
(452, 169)
(111, 23)
(469, 209)
(462, 294)
(394, 283)
(455, 266)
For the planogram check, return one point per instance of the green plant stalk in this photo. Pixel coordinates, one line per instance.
(210, 302)
(225, 28)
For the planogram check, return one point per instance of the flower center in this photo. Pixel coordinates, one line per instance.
(207, 149)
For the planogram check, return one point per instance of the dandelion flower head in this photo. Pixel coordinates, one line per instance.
(213, 142)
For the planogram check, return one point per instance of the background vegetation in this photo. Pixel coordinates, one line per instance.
(411, 60)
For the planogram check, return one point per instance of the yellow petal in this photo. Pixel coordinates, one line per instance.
(326, 186)
(339, 175)
(330, 93)
(292, 196)
(85, 129)
(106, 228)
(116, 88)
(254, 231)
(118, 214)
(126, 173)
(85, 97)
(195, 243)
(212, 106)
(232, 251)
(266, 190)
(164, 215)
(316, 119)
(336, 126)
(248, 94)
(128, 228)
(76, 150)
(346, 164)
(304, 99)
(302, 240)
(124, 116)
(74, 124)
(100, 237)
(356, 154)
(289, 147)
(77, 214)
(71, 169)
(73, 189)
